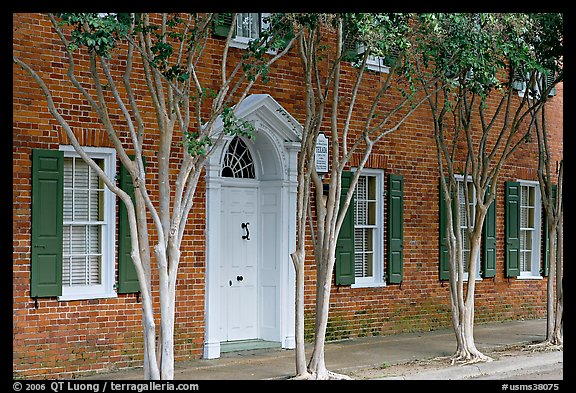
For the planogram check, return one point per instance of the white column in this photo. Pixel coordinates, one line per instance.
(289, 191)
(212, 295)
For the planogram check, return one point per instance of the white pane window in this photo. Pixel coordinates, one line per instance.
(248, 27)
(529, 230)
(466, 189)
(534, 87)
(82, 251)
(374, 63)
(464, 217)
(88, 226)
(368, 261)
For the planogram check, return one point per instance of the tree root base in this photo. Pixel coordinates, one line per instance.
(463, 360)
(544, 347)
(326, 375)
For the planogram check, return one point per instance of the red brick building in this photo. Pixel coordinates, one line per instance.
(95, 323)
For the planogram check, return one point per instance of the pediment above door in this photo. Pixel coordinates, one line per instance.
(265, 109)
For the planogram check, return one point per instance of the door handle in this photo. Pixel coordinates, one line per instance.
(239, 278)
(247, 235)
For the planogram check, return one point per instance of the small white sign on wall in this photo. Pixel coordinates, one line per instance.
(321, 155)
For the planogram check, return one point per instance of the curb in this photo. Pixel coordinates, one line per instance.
(517, 365)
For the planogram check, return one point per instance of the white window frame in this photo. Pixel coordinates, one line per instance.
(107, 289)
(535, 271)
(460, 179)
(242, 42)
(377, 279)
(522, 86)
(374, 63)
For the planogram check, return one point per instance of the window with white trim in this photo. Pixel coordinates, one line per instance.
(530, 213)
(541, 81)
(377, 63)
(248, 27)
(368, 229)
(374, 63)
(463, 189)
(88, 226)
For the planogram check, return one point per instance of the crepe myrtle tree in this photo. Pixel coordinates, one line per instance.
(553, 220)
(548, 46)
(158, 57)
(481, 57)
(327, 44)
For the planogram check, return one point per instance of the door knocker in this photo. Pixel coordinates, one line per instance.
(247, 235)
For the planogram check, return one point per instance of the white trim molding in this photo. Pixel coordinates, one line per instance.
(108, 237)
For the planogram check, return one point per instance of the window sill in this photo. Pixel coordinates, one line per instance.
(368, 285)
(73, 297)
(529, 277)
(378, 68)
(242, 43)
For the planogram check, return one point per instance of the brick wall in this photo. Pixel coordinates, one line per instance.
(63, 339)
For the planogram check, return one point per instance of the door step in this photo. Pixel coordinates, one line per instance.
(244, 345)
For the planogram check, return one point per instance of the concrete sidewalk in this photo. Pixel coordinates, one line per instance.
(346, 356)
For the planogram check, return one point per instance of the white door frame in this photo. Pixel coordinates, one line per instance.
(275, 151)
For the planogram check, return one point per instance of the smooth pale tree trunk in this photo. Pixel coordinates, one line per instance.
(551, 296)
(299, 255)
(317, 364)
(559, 326)
(298, 260)
(466, 350)
(461, 298)
(554, 304)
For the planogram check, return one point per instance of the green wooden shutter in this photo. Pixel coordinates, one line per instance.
(127, 277)
(549, 79)
(222, 24)
(395, 231)
(444, 263)
(282, 35)
(47, 222)
(344, 265)
(349, 43)
(512, 229)
(489, 242)
(284, 39)
(546, 258)
(391, 57)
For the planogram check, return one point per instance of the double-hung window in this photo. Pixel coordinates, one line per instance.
(368, 226)
(529, 230)
(360, 245)
(467, 211)
(248, 27)
(88, 226)
(373, 63)
(523, 229)
(540, 82)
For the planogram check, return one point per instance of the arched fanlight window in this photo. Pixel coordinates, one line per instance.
(238, 161)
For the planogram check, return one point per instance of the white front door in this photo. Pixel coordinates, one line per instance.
(239, 264)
